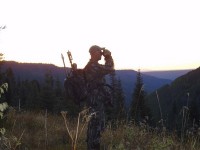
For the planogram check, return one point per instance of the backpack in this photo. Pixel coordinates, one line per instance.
(76, 86)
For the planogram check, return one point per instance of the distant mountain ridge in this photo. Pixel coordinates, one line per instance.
(30, 71)
(128, 79)
(167, 74)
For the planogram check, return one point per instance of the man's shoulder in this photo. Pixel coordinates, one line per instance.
(91, 64)
(78, 71)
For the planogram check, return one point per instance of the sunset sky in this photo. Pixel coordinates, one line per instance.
(142, 34)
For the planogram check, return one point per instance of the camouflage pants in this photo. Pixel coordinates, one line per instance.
(95, 127)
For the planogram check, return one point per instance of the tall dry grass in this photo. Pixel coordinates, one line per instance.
(123, 137)
(36, 127)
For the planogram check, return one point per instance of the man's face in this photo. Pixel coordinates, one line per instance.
(97, 55)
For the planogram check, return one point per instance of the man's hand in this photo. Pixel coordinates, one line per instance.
(106, 53)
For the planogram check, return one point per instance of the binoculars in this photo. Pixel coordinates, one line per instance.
(102, 50)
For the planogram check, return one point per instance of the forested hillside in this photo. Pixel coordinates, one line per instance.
(181, 96)
(34, 71)
(36, 97)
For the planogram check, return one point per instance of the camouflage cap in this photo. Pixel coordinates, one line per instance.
(95, 48)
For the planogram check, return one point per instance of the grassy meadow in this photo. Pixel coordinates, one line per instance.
(44, 131)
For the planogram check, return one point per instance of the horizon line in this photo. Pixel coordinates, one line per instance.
(143, 70)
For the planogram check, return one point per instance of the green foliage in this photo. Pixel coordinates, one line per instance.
(160, 143)
(3, 107)
(3, 88)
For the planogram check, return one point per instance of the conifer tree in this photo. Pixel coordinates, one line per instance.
(23, 94)
(110, 111)
(33, 97)
(48, 92)
(120, 102)
(138, 109)
(117, 111)
(10, 79)
(59, 93)
(58, 88)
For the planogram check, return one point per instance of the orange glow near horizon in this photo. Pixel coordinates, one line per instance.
(143, 35)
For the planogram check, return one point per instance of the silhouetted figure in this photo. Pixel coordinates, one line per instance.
(99, 93)
(89, 85)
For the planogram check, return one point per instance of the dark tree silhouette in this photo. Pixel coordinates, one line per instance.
(117, 112)
(138, 109)
(47, 93)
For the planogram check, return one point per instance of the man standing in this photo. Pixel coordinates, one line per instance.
(89, 85)
(98, 93)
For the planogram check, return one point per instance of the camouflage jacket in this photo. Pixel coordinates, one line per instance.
(96, 72)
(89, 83)
(96, 83)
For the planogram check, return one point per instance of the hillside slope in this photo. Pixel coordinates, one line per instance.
(30, 71)
(183, 91)
(128, 78)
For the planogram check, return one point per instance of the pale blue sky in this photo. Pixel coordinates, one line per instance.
(145, 34)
